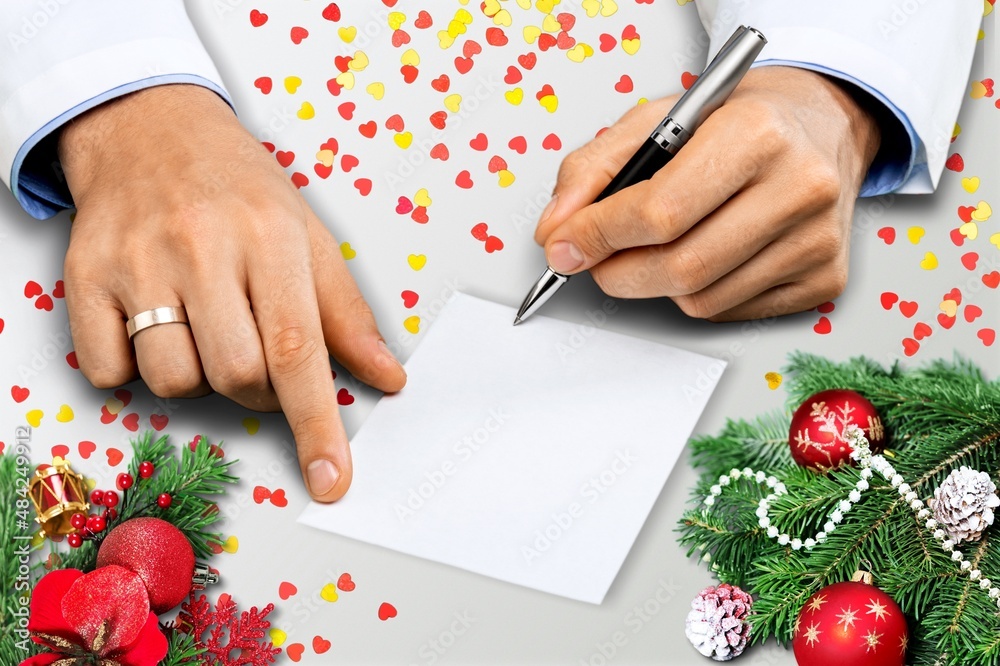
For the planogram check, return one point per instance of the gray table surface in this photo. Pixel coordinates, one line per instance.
(447, 615)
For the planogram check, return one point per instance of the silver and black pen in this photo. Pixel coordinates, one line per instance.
(707, 94)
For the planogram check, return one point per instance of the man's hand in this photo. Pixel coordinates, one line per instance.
(178, 205)
(751, 218)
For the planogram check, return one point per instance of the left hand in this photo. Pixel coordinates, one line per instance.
(750, 219)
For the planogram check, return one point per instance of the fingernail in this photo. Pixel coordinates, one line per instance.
(564, 257)
(388, 354)
(322, 476)
(551, 206)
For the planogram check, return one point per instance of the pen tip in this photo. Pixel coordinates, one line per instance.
(517, 320)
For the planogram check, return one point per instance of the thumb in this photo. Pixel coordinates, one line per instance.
(588, 170)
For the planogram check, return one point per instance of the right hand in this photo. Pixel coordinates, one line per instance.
(178, 205)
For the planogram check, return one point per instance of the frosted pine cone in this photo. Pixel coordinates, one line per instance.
(963, 504)
(717, 623)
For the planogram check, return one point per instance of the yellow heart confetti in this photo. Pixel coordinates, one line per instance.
(580, 52)
(277, 636)
(412, 324)
(514, 96)
(949, 307)
(524, 4)
(549, 103)
(545, 6)
(34, 417)
(978, 90)
(306, 111)
(410, 57)
(292, 84)
(403, 139)
(970, 230)
(329, 593)
(929, 262)
(416, 261)
(491, 7)
(630, 46)
(506, 178)
(346, 80)
(251, 424)
(396, 20)
(347, 33)
(358, 62)
(444, 39)
(503, 18)
(915, 234)
(608, 7)
(970, 185)
(456, 28)
(463, 16)
(422, 198)
(37, 539)
(231, 545)
(551, 24)
(773, 380)
(995, 240)
(376, 90)
(591, 7)
(325, 157)
(982, 212)
(531, 33)
(65, 414)
(452, 102)
(114, 405)
(348, 251)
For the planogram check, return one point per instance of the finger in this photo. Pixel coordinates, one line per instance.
(588, 170)
(285, 308)
(349, 327)
(718, 244)
(165, 353)
(706, 173)
(779, 300)
(781, 262)
(229, 345)
(97, 325)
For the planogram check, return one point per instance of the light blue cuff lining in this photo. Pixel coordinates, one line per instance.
(44, 194)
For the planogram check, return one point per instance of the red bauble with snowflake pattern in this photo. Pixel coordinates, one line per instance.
(816, 436)
(852, 622)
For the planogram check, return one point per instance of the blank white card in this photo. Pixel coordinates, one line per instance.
(532, 454)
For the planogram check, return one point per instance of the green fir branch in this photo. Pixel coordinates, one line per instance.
(937, 418)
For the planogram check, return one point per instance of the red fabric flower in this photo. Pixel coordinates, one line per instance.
(102, 616)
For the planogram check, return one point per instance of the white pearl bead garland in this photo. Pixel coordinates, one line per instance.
(868, 462)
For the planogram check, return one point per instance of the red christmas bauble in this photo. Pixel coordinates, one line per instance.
(158, 552)
(850, 623)
(816, 436)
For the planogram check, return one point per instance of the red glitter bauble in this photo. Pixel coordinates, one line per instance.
(850, 623)
(817, 432)
(158, 552)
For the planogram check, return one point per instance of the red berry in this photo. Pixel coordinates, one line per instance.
(164, 500)
(110, 498)
(111, 514)
(146, 469)
(124, 481)
(78, 521)
(100, 523)
(92, 523)
(97, 497)
(74, 540)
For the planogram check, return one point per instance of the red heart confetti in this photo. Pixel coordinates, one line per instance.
(286, 590)
(345, 584)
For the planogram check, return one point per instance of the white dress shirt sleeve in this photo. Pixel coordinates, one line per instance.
(914, 57)
(60, 58)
